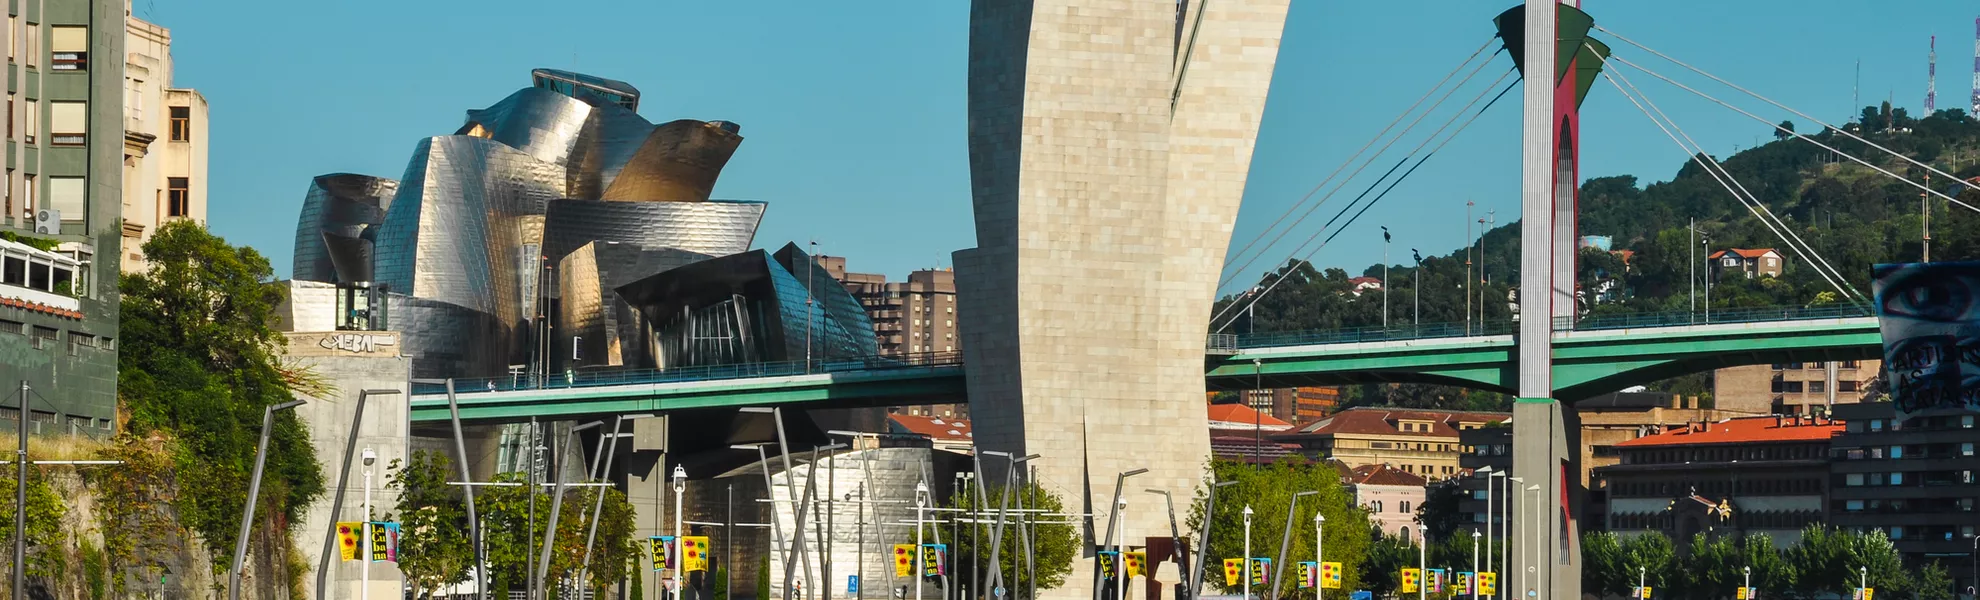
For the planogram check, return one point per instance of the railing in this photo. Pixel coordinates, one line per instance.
(623, 376)
(1595, 323)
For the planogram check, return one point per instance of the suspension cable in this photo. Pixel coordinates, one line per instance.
(1715, 169)
(1789, 109)
(1364, 209)
(1927, 189)
(1234, 273)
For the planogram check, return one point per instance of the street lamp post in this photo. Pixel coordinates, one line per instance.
(1120, 549)
(1385, 278)
(1319, 549)
(1491, 476)
(680, 487)
(1423, 562)
(254, 490)
(1862, 581)
(1285, 542)
(1539, 581)
(1707, 243)
(1746, 585)
(1194, 582)
(1641, 573)
(1247, 552)
(920, 512)
(1416, 312)
(1474, 562)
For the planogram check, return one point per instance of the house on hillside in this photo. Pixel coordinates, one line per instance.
(1752, 262)
(1364, 284)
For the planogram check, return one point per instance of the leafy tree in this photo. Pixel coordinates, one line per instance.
(1603, 565)
(1439, 511)
(1771, 571)
(133, 504)
(1388, 555)
(1784, 131)
(199, 364)
(47, 541)
(1054, 545)
(1650, 557)
(1934, 582)
(509, 534)
(434, 550)
(1268, 490)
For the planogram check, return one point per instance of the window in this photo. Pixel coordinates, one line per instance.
(30, 121)
(1792, 387)
(27, 196)
(181, 124)
(1853, 506)
(1897, 451)
(33, 48)
(68, 195)
(1404, 506)
(13, 37)
(68, 123)
(1853, 479)
(1897, 479)
(1876, 424)
(1845, 386)
(70, 47)
(1731, 262)
(1818, 387)
(1966, 449)
(178, 199)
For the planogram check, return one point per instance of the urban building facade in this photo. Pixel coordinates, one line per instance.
(1296, 405)
(1802, 388)
(165, 142)
(1390, 495)
(1913, 479)
(1767, 475)
(915, 318)
(1242, 434)
(1420, 442)
(62, 209)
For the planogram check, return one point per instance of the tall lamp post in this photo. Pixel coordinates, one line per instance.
(364, 589)
(1539, 581)
(1423, 562)
(1319, 548)
(1194, 582)
(1247, 552)
(1746, 585)
(1642, 574)
(920, 514)
(1416, 310)
(1474, 562)
(1512, 532)
(1385, 277)
(254, 491)
(1491, 477)
(680, 487)
(1285, 542)
(1707, 243)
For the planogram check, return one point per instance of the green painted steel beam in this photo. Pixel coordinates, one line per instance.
(836, 390)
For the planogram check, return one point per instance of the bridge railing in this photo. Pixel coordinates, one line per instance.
(1594, 323)
(624, 376)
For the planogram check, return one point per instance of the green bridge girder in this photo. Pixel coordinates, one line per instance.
(1586, 363)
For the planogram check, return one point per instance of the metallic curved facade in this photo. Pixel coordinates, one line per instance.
(713, 228)
(338, 206)
(749, 308)
(537, 122)
(678, 163)
(600, 328)
(611, 135)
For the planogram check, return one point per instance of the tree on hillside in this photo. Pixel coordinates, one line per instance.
(1055, 545)
(1784, 131)
(1268, 490)
(198, 364)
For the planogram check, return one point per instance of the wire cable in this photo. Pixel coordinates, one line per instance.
(1789, 109)
(1715, 169)
(1232, 274)
(1378, 198)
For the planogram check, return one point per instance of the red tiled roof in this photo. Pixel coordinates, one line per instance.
(1249, 450)
(1746, 430)
(1364, 280)
(1745, 252)
(1383, 421)
(1239, 413)
(40, 308)
(934, 427)
(1383, 474)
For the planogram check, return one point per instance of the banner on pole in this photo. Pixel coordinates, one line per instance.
(1461, 583)
(384, 541)
(1233, 568)
(1330, 576)
(1136, 561)
(1411, 578)
(1434, 579)
(1308, 571)
(662, 548)
(1259, 567)
(1108, 569)
(694, 553)
(1488, 583)
(347, 538)
(934, 560)
(903, 560)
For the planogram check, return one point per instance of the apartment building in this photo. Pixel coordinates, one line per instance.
(1420, 442)
(1802, 388)
(1296, 405)
(1913, 479)
(1767, 475)
(914, 319)
(165, 142)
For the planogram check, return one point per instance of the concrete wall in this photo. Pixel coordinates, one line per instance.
(386, 428)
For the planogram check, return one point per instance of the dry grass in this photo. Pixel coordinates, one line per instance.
(54, 447)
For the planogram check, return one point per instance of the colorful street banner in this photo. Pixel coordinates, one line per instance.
(1136, 561)
(1259, 567)
(1867, 593)
(1646, 592)
(934, 560)
(384, 541)
(903, 560)
(1931, 332)
(694, 553)
(1233, 569)
(662, 547)
(1461, 585)
(1410, 579)
(1308, 571)
(1740, 593)
(1488, 583)
(1107, 568)
(1330, 576)
(1434, 578)
(347, 538)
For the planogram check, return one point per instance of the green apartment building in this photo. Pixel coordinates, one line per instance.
(63, 207)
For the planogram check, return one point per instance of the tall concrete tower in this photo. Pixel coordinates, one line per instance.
(1932, 77)
(1109, 142)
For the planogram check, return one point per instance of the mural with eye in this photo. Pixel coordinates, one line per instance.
(1929, 315)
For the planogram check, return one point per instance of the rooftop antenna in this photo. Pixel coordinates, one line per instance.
(1976, 67)
(1932, 77)
(1856, 87)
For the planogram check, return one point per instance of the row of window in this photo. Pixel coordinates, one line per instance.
(1813, 387)
(1419, 447)
(1750, 520)
(1948, 450)
(68, 121)
(1847, 364)
(1723, 454)
(44, 337)
(1716, 487)
(1376, 506)
(70, 196)
(1904, 506)
(1949, 422)
(68, 45)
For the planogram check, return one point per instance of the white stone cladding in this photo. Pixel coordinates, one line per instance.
(1105, 193)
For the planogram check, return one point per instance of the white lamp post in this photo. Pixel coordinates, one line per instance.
(1747, 584)
(1247, 552)
(1641, 573)
(920, 510)
(1423, 562)
(1319, 549)
(680, 486)
(364, 588)
(1474, 561)
(1512, 533)
(1539, 581)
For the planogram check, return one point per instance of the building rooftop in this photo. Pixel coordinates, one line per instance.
(1744, 430)
(1247, 449)
(1745, 252)
(935, 428)
(1388, 421)
(1382, 474)
(1239, 416)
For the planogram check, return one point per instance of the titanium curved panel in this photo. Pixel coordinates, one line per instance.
(837, 304)
(685, 307)
(537, 122)
(610, 138)
(715, 228)
(342, 204)
(603, 328)
(457, 227)
(449, 340)
(349, 256)
(678, 163)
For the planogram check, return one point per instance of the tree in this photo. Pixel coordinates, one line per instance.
(1268, 490)
(198, 364)
(1439, 511)
(1603, 565)
(1651, 558)
(47, 541)
(509, 534)
(1055, 545)
(1388, 555)
(434, 550)
(1934, 582)
(1784, 131)
(1771, 572)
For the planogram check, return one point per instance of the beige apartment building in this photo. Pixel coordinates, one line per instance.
(1420, 442)
(914, 318)
(1794, 388)
(164, 141)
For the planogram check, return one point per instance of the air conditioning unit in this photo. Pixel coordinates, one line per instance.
(48, 221)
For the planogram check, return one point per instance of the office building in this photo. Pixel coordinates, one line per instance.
(1809, 388)
(1767, 475)
(1419, 442)
(64, 149)
(1296, 405)
(165, 142)
(1911, 479)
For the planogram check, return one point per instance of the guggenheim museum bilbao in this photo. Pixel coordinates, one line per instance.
(559, 230)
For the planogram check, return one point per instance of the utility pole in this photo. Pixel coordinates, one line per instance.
(1708, 280)
(1692, 279)
(1925, 211)
(1466, 282)
(1385, 278)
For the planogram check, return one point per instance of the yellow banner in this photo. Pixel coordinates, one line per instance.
(1330, 575)
(903, 560)
(347, 538)
(1646, 592)
(1740, 594)
(1410, 579)
(1233, 569)
(694, 553)
(1136, 561)
(1488, 583)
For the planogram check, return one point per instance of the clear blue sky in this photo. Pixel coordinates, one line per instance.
(853, 112)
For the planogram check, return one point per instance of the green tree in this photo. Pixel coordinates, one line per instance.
(1381, 571)
(1771, 571)
(1934, 582)
(1439, 511)
(509, 534)
(1055, 545)
(1603, 565)
(434, 550)
(47, 541)
(198, 363)
(1711, 569)
(1784, 131)
(1650, 558)
(1268, 490)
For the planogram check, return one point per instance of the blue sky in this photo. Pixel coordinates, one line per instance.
(853, 112)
